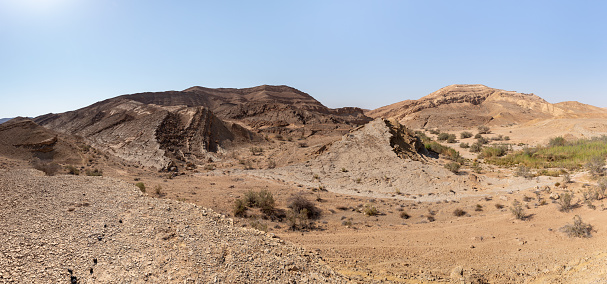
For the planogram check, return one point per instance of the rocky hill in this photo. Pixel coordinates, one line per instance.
(465, 106)
(3, 120)
(22, 138)
(75, 229)
(149, 135)
(378, 159)
(270, 108)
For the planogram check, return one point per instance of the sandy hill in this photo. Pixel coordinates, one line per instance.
(465, 106)
(75, 229)
(261, 107)
(149, 135)
(22, 138)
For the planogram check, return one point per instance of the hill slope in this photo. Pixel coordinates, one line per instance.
(465, 106)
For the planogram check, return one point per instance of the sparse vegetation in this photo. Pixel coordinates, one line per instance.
(256, 151)
(495, 151)
(262, 199)
(158, 190)
(141, 186)
(299, 203)
(483, 129)
(522, 171)
(517, 210)
(442, 136)
(478, 207)
(565, 202)
(370, 210)
(448, 152)
(94, 172)
(405, 215)
(240, 208)
(557, 141)
(459, 212)
(453, 167)
(72, 170)
(499, 206)
(578, 229)
(464, 145)
(465, 134)
(572, 155)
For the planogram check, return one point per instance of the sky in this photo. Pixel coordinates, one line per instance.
(61, 55)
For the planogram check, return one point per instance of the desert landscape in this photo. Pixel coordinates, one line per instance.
(467, 184)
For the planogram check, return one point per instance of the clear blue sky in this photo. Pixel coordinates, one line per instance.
(60, 55)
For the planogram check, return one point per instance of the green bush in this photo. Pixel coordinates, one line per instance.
(465, 135)
(141, 186)
(299, 203)
(483, 129)
(496, 151)
(442, 136)
(453, 167)
(262, 199)
(240, 208)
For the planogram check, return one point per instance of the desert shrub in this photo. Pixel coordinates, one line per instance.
(434, 131)
(483, 129)
(262, 199)
(271, 164)
(447, 152)
(256, 151)
(496, 151)
(498, 138)
(240, 208)
(517, 210)
(565, 202)
(601, 188)
(477, 136)
(566, 178)
(258, 225)
(451, 138)
(596, 165)
(299, 203)
(48, 168)
(459, 212)
(405, 215)
(482, 140)
(464, 145)
(344, 170)
(442, 136)
(478, 207)
(370, 210)
(141, 186)
(430, 218)
(557, 141)
(72, 170)
(522, 171)
(453, 167)
(465, 135)
(499, 206)
(578, 229)
(423, 137)
(158, 190)
(507, 138)
(476, 147)
(94, 172)
(476, 167)
(298, 220)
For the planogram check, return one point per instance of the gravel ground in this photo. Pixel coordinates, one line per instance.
(75, 229)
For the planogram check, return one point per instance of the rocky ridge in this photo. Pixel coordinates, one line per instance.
(465, 106)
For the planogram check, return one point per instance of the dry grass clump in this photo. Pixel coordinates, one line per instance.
(565, 202)
(483, 129)
(72, 170)
(517, 210)
(453, 167)
(370, 210)
(94, 172)
(459, 212)
(578, 229)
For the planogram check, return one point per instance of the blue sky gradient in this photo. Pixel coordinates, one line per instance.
(60, 55)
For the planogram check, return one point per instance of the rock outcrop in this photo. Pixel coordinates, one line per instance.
(149, 135)
(22, 138)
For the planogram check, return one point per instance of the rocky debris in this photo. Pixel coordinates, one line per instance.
(76, 229)
(22, 138)
(466, 106)
(381, 157)
(149, 135)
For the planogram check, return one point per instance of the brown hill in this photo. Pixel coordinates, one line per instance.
(149, 135)
(23, 139)
(263, 107)
(465, 106)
